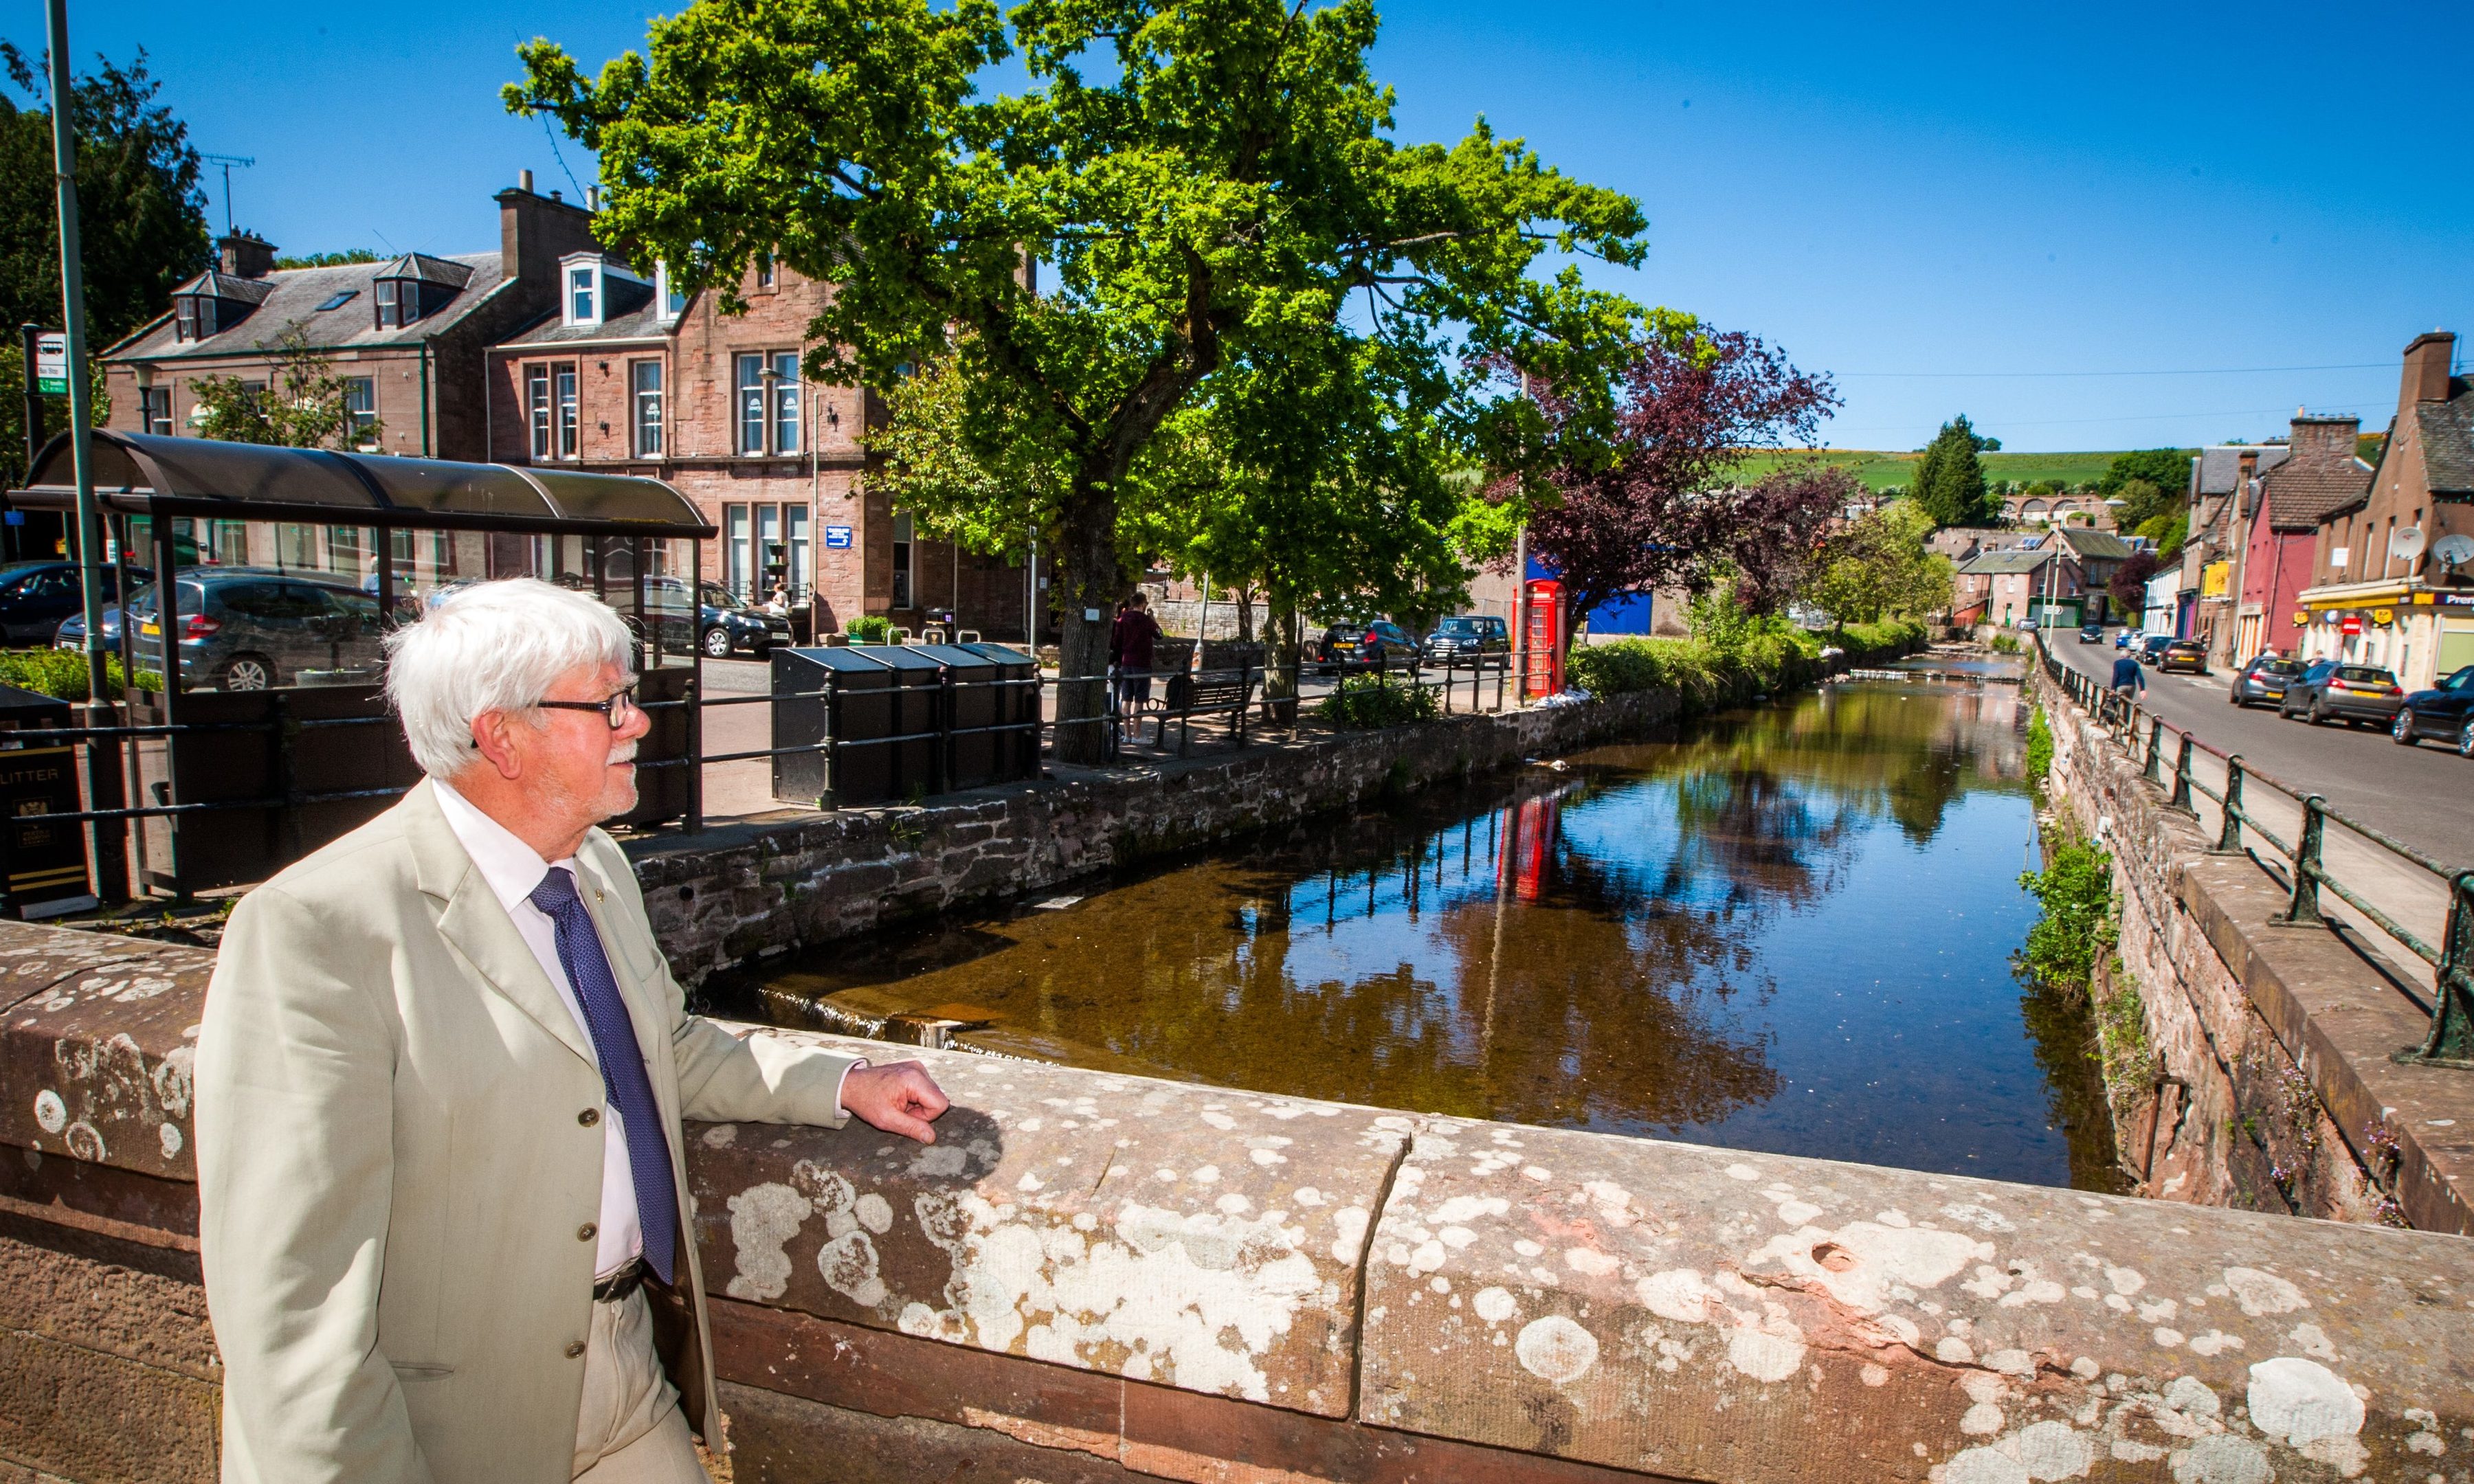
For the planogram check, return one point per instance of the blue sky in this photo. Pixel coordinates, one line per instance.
(1939, 206)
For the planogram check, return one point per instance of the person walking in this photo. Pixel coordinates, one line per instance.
(1132, 641)
(443, 1213)
(2129, 681)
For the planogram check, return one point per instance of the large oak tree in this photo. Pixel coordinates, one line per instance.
(1209, 183)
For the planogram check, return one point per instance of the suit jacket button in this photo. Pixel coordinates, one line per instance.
(574, 1350)
(589, 1117)
(586, 1232)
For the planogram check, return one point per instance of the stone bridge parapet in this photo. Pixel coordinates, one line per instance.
(1094, 1277)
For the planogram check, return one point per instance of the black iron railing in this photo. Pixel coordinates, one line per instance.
(2143, 734)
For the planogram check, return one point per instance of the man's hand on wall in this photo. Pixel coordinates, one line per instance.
(899, 1097)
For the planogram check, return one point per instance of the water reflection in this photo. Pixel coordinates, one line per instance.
(1785, 928)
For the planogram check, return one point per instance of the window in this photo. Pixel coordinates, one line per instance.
(360, 412)
(786, 401)
(644, 380)
(582, 295)
(346, 551)
(537, 406)
(751, 404)
(339, 301)
(795, 520)
(900, 562)
(191, 320)
(229, 541)
(765, 272)
(672, 298)
(770, 553)
(154, 410)
(735, 564)
(398, 302)
(566, 412)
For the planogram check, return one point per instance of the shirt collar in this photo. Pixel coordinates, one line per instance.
(512, 868)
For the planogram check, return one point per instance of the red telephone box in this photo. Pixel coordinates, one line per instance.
(1542, 609)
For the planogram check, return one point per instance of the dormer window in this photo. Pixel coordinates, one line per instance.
(214, 301)
(398, 302)
(583, 293)
(187, 311)
(416, 286)
(673, 300)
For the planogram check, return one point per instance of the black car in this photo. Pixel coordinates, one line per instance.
(1467, 639)
(2351, 693)
(1366, 646)
(257, 628)
(2091, 634)
(2445, 711)
(35, 596)
(2262, 678)
(727, 623)
(2150, 647)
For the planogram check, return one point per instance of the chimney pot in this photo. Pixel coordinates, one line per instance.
(592, 198)
(524, 181)
(556, 194)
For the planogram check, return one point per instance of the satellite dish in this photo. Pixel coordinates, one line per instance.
(2454, 551)
(2405, 544)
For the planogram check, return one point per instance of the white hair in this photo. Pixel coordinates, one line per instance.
(497, 646)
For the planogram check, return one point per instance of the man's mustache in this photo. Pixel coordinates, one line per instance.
(624, 751)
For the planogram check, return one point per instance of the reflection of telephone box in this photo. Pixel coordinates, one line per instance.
(1543, 612)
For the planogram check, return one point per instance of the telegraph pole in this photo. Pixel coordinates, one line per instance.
(90, 542)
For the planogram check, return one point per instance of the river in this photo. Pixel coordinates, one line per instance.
(1787, 929)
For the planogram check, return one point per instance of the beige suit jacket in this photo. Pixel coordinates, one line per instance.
(394, 1184)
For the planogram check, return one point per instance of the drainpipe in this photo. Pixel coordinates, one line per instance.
(425, 451)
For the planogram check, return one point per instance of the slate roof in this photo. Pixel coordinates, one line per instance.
(2003, 564)
(294, 294)
(2095, 546)
(635, 320)
(2302, 493)
(428, 270)
(2447, 431)
(215, 283)
(2221, 466)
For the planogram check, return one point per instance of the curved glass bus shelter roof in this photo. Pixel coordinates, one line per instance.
(144, 475)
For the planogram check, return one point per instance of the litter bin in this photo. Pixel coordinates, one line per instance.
(842, 693)
(1017, 707)
(975, 750)
(45, 860)
(917, 716)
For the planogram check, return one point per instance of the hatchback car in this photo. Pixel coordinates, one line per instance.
(2445, 711)
(35, 596)
(1467, 637)
(254, 628)
(2354, 694)
(2124, 639)
(727, 623)
(2151, 647)
(2188, 655)
(1367, 645)
(2262, 678)
(2091, 634)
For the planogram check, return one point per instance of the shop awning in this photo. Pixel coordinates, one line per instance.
(144, 475)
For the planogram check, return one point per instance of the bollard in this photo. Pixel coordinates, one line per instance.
(2305, 909)
(2180, 799)
(2451, 1041)
(2229, 830)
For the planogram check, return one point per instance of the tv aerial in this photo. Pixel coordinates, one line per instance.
(2453, 551)
(227, 161)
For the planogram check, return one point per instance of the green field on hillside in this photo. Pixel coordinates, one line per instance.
(1880, 470)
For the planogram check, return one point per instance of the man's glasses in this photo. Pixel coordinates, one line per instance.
(619, 709)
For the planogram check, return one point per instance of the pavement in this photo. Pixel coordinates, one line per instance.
(2418, 796)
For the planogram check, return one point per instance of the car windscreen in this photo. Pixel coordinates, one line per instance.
(2366, 674)
(2280, 667)
(717, 596)
(1458, 626)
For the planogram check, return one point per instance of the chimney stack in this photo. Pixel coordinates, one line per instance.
(245, 255)
(2426, 367)
(2325, 437)
(524, 181)
(592, 198)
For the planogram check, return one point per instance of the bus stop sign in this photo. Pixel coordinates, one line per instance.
(52, 363)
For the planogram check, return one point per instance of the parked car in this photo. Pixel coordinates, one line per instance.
(71, 634)
(727, 623)
(256, 628)
(1468, 636)
(2188, 656)
(2445, 711)
(2262, 678)
(35, 596)
(2124, 639)
(1367, 645)
(2091, 634)
(2151, 647)
(2350, 693)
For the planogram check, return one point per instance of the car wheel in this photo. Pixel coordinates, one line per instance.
(2465, 740)
(2317, 715)
(716, 644)
(249, 672)
(2402, 729)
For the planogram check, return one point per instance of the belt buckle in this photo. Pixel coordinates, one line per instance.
(621, 1283)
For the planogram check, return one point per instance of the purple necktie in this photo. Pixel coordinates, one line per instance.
(623, 1065)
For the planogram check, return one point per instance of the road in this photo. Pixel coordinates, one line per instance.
(2419, 796)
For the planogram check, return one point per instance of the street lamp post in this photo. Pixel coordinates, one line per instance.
(73, 319)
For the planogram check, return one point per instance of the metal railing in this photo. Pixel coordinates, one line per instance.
(2142, 735)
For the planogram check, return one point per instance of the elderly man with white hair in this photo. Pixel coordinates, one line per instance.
(443, 1213)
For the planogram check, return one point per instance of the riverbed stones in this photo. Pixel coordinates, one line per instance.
(1194, 1237)
(1715, 1314)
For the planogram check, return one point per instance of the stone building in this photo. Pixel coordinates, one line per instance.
(2391, 583)
(2275, 528)
(2003, 586)
(2204, 598)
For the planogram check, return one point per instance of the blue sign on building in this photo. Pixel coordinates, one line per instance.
(838, 537)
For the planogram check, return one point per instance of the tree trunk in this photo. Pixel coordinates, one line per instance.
(1245, 596)
(1087, 585)
(1280, 660)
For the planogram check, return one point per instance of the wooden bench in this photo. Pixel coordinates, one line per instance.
(1212, 692)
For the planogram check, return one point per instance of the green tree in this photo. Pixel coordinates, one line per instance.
(2141, 502)
(300, 406)
(1214, 184)
(1877, 567)
(344, 259)
(2168, 469)
(1949, 479)
(2169, 531)
(142, 223)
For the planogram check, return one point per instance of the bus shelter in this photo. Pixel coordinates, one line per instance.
(261, 581)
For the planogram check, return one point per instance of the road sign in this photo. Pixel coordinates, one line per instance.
(2351, 623)
(52, 363)
(838, 537)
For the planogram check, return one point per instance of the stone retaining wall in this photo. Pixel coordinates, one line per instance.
(2274, 1087)
(1104, 1277)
